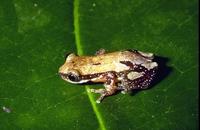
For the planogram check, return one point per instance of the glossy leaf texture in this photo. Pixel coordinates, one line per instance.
(35, 36)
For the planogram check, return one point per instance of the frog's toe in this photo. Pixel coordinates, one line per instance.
(98, 101)
(101, 91)
(101, 98)
(125, 91)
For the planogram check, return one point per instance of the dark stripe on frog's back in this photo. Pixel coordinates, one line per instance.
(91, 76)
(135, 67)
(127, 63)
(96, 64)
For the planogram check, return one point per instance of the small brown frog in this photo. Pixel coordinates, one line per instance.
(119, 71)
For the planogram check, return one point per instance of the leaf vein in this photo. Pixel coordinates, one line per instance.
(80, 52)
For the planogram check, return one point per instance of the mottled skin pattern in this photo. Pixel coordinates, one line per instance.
(138, 83)
(119, 71)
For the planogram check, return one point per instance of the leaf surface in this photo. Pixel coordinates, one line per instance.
(36, 35)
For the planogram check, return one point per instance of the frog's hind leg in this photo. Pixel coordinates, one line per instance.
(124, 90)
(123, 86)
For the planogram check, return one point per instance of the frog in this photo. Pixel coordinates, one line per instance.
(119, 71)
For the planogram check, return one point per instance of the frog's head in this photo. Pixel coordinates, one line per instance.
(69, 70)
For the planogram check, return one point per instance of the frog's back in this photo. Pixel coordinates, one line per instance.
(108, 62)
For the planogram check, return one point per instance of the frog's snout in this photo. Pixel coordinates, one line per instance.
(61, 69)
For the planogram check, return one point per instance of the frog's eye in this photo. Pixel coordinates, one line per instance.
(73, 76)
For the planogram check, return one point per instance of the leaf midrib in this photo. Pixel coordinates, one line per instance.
(80, 52)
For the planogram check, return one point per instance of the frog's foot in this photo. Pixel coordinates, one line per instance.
(100, 91)
(100, 52)
(125, 91)
(104, 94)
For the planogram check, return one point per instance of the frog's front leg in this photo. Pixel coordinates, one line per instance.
(110, 87)
(100, 52)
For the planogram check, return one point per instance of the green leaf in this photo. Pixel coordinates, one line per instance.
(35, 35)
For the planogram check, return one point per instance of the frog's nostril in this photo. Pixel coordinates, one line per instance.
(61, 69)
(60, 73)
(64, 76)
